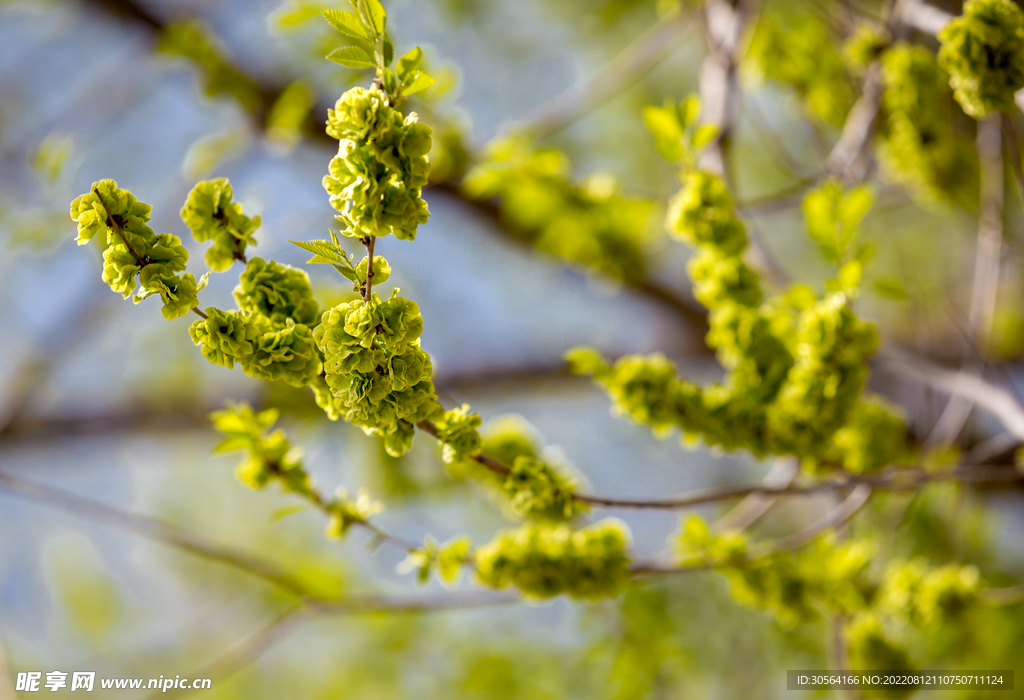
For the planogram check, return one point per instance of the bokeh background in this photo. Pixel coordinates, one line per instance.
(109, 402)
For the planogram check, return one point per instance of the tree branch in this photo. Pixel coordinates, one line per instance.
(155, 530)
(643, 54)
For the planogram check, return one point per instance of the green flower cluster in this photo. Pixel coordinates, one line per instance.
(918, 141)
(796, 365)
(544, 561)
(376, 179)
(537, 489)
(911, 595)
(792, 588)
(927, 596)
(267, 335)
(533, 487)
(871, 645)
(590, 223)
(276, 291)
(458, 433)
(136, 261)
(983, 52)
(802, 51)
(269, 457)
(865, 45)
(211, 216)
(376, 375)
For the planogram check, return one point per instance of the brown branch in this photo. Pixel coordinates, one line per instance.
(997, 402)
(839, 516)
(753, 506)
(154, 529)
(689, 313)
(725, 23)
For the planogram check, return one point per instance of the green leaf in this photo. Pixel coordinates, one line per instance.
(408, 63)
(234, 443)
(352, 57)
(663, 122)
(377, 14)
(285, 511)
(324, 249)
(389, 51)
(689, 110)
(890, 288)
(203, 281)
(347, 272)
(855, 206)
(705, 134)
(420, 81)
(347, 23)
(850, 274)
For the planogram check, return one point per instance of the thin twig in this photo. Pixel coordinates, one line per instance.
(369, 242)
(1013, 153)
(1003, 596)
(839, 516)
(753, 506)
(252, 646)
(155, 530)
(997, 402)
(643, 54)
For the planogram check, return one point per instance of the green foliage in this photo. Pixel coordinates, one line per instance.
(268, 456)
(802, 52)
(833, 216)
(537, 489)
(264, 349)
(136, 261)
(210, 215)
(545, 561)
(833, 577)
(590, 223)
(865, 46)
(376, 179)
(457, 432)
(376, 375)
(278, 292)
(871, 646)
(288, 114)
(346, 511)
(446, 560)
(920, 144)
(796, 364)
(676, 131)
(983, 52)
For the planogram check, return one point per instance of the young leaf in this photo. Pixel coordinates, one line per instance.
(347, 23)
(389, 51)
(352, 57)
(377, 15)
(890, 288)
(323, 249)
(689, 110)
(854, 206)
(285, 511)
(705, 134)
(408, 63)
(420, 81)
(348, 273)
(664, 124)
